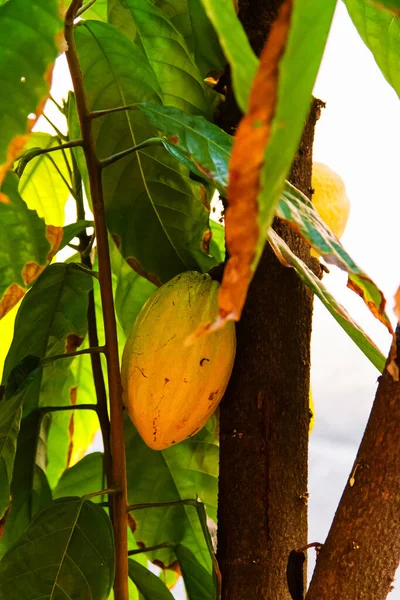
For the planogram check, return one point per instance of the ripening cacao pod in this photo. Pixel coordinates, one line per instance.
(170, 389)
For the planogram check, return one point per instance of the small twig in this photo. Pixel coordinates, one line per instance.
(70, 189)
(88, 249)
(60, 108)
(105, 492)
(85, 7)
(156, 141)
(72, 144)
(94, 350)
(189, 502)
(51, 409)
(58, 132)
(109, 111)
(151, 548)
(65, 159)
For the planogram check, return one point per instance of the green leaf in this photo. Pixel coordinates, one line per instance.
(201, 146)
(299, 211)
(98, 11)
(28, 49)
(66, 552)
(186, 470)
(380, 31)
(391, 6)
(149, 585)
(298, 68)
(51, 320)
(10, 419)
(358, 336)
(177, 74)
(199, 583)
(84, 477)
(190, 18)
(148, 195)
(73, 230)
(235, 45)
(41, 185)
(30, 490)
(131, 290)
(26, 244)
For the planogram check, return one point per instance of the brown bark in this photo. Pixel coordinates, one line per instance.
(362, 551)
(262, 511)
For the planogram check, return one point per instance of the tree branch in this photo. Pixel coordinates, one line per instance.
(115, 157)
(362, 550)
(119, 516)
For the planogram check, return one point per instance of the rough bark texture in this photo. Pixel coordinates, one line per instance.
(262, 512)
(362, 551)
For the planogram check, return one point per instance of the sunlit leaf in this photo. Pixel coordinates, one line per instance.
(177, 74)
(97, 11)
(184, 471)
(27, 245)
(149, 585)
(29, 44)
(52, 320)
(235, 45)
(288, 258)
(380, 31)
(148, 195)
(85, 477)
(66, 552)
(6, 335)
(10, 419)
(300, 213)
(267, 139)
(30, 489)
(41, 184)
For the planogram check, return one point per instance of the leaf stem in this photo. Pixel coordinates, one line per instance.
(119, 501)
(71, 191)
(58, 132)
(189, 502)
(151, 548)
(109, 111)
(156, 141)
(85, 7)
(91, 350)
(51, 409)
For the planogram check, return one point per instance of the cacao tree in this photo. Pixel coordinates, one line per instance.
(176, 106)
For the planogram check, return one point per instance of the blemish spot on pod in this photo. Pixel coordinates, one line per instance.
(171, 390)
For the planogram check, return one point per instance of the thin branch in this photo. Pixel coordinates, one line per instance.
(70, 189)
(362, 550)
(152, 548)
(60, 108)
(51, 409)
(58, 132)
(92, 350)
(73, 144)
(85, 7)
(109, 111)
(105, 492)
(188, 502)
(66, 159)
(156, 141)
(119, 519)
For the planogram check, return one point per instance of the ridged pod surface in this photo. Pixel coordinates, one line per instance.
(171, 390)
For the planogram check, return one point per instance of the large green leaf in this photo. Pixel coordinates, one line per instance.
(190, 18)
(41, 184)
(149, 585)
(26, 244)
(201, 146)
(235, 45)
(288, 258)
(177, 74)
(30, 489)
(10, 419)
(51, 320)
(184, 471)
(83, 478)
(198, 582)
(298, 68)
(148, 195)
(66, 552)
(28, 48)
(380, 31)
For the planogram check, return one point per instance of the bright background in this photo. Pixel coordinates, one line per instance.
(358, 136)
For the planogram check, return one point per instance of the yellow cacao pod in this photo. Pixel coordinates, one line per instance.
(170, 389)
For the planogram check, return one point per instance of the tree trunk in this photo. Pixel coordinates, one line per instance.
(262, 510)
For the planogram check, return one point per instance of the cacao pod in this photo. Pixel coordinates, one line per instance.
(171, 390)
